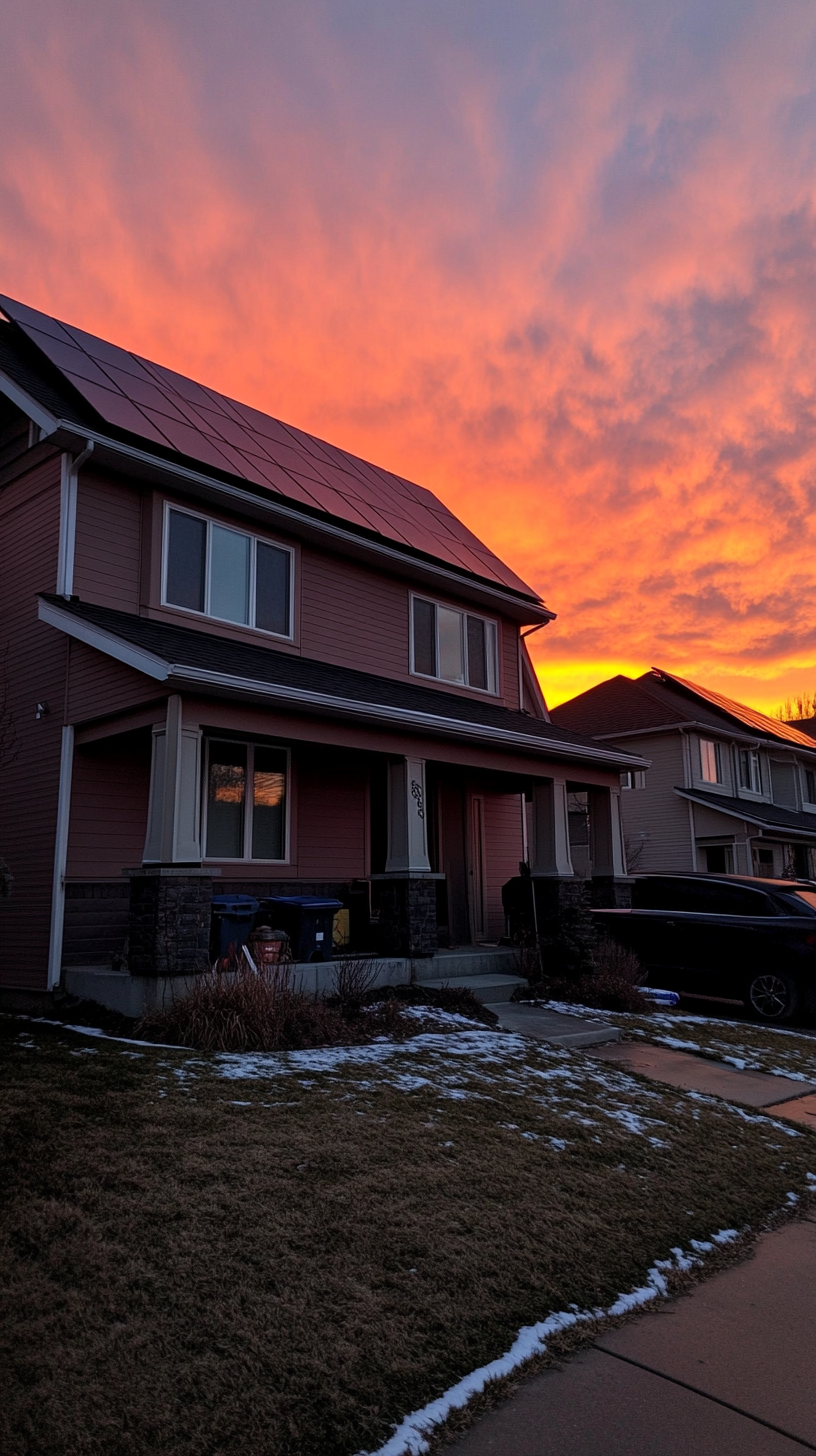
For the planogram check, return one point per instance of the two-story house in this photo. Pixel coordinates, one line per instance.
(727, 790)
(239, 658)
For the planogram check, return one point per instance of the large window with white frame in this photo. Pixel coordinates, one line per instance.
(750, 775)
(246, 801)
(453, 646)
(226, 574)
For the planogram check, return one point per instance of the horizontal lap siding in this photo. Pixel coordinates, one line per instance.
(510, 664)
(109, 807)
(331, 818)
(34, 668)
(98, 685)
(657, 811)
(108, 542)
(353, 617)
(503, 850)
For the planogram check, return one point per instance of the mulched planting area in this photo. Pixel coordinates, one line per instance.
(283, 1254)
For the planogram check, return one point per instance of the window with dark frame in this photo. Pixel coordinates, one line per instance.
(246, 801)
(227, 574)
(810, 786)
(454, 646)
(710, 761)
(749, 771)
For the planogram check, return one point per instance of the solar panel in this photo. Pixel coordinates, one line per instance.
(167, 409)
(750, 717)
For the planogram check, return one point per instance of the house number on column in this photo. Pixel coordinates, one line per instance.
(416, 791)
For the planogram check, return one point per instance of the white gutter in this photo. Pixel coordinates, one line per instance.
(69, 476)
(156, 667)
(60, 858)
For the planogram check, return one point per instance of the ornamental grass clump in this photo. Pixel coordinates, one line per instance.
(239, 1009)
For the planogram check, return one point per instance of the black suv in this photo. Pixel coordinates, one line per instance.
(732, 938)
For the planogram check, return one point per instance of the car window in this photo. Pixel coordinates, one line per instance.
(700, 896)
(801, 902)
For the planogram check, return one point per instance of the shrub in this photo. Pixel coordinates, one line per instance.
(241, 1010)
(613, 984)
(354, 980)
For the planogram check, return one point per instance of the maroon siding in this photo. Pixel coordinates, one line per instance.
(353, 616)
(108, 542)
(34, 667)
(109, 807)
(99, 685)
(331, 816)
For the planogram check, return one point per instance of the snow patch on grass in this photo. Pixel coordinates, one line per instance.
(411, 1436)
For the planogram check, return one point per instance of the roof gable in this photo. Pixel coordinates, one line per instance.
(173, 414)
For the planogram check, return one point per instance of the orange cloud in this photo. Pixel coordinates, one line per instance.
(558, 266)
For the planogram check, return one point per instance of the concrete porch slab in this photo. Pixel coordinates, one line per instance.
(487, 989)
(555, 1027)
(699, 1074)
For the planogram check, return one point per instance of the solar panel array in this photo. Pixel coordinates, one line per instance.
(759, 723)
(164, 408)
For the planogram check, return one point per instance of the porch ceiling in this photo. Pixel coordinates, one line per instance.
(187, 659)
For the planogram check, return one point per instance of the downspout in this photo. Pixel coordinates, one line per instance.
(65, 585)
(68, 507)
(521, 638)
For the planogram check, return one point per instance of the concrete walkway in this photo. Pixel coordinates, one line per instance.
(702, 1074)
(555, 1027)
(729, 1369)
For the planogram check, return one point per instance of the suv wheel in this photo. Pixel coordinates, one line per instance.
(773, 997)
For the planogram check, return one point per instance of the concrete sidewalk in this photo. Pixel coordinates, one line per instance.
(728, 1369)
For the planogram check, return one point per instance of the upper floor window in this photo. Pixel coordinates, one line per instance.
(749, 774)
(453, 646)
(226, 574)
(710, 761)
(809, 777)
(633, 778)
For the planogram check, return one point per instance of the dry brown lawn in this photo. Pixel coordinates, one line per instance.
(285, 1263)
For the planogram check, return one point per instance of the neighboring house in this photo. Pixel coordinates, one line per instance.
(728, 790)
(242, 659)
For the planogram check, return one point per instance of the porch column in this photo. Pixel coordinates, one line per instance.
(605, 835)
(550, 851)
(173, 822)
(407, 822)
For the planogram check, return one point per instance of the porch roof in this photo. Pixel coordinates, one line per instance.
(195, 660)
(767, 816)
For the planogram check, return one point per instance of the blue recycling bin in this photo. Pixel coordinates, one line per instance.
(233, 919)
(308, 921)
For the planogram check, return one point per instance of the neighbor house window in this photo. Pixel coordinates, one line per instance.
(710, 762)
(749, 775)
(246, 801)
(810, 785)
(226, 574)
(453, 646)
(633, 778)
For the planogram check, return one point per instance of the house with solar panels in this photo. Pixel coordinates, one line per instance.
(728, 790)
(240, 660)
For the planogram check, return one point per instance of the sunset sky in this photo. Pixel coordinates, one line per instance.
(555, 260)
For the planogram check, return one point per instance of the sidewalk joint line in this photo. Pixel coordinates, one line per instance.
(718, 1400)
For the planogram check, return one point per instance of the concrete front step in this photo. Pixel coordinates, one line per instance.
(485, 988)
(454, 965)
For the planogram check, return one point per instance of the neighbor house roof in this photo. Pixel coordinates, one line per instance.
(659, 699)
(768, 816)
(184, 657)
(86, 383)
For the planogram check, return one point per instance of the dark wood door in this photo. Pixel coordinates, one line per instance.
(453, 858)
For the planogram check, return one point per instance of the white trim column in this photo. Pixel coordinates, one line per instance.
(605, 833)
(407, 821)
(174, 814)
(60, 858)
(69, 475)
(550, 850)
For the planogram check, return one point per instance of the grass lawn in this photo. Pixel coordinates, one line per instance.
(281, 1255)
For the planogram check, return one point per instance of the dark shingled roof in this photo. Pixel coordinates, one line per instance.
(184, 648)
(770, 816)
(85, 380)
(658, 700)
